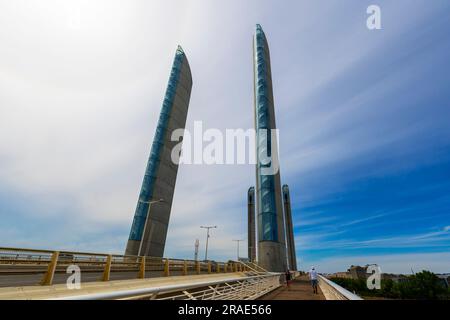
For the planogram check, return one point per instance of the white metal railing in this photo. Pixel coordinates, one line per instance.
(240, 288)
(333, 291)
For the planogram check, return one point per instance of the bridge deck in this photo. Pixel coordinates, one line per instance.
(300, 289)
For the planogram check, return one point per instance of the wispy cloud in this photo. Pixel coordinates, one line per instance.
(438, 262)
(430, 240)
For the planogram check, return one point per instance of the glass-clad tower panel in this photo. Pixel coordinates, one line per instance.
(271, 234)
(149, 228)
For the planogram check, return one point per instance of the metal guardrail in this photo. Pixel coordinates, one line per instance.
(242, 288)
(48, 263)
(333, 291)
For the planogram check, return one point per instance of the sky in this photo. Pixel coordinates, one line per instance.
(363, 118)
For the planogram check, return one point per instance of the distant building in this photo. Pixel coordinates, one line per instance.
(251, 224)
(394, 277)
(344, 275)
(358, 272)
(290, 239)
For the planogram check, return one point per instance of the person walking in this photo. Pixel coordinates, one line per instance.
(288, 279)
(313, 277)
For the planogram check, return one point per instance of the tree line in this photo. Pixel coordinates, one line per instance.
(424, 285)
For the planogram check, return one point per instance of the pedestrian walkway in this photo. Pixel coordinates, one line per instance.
(300, 289)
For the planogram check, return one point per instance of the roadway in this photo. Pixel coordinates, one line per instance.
(11, 277)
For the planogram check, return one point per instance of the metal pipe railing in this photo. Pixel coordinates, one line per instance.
(333, 291)
(233, 288)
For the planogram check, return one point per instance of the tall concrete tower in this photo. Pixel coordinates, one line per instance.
(251, 224)
(271, 234)
(151, 218)
(292, 259)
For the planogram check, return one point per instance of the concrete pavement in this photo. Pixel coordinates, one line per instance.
(300, 289)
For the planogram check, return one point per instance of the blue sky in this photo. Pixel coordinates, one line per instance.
(363, 118)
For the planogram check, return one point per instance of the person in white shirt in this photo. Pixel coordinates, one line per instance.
(313, 277)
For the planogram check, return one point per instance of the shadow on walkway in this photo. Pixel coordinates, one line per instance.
(300, 289)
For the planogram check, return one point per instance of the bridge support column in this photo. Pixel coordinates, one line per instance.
(197, 266)
(185, 268)
(142, 269)
(226, 267)
(107, 270)
(48, 277)
(209, 266)
(166, 268)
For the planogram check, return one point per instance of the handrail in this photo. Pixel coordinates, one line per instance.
(23, 251)
(36, 260)
(160, 290)
(333, 291)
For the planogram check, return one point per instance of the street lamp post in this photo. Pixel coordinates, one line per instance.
(197, 243)
(238, 242)
(207, 237)
(143, 250)
(250, 256)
